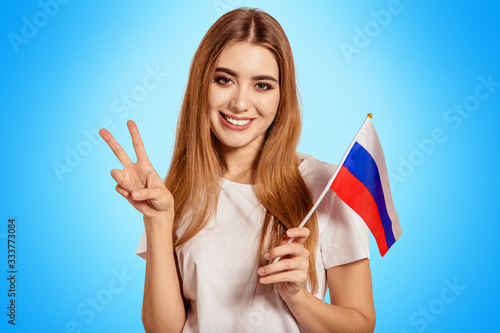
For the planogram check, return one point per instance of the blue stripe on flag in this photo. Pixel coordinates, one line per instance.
(362, 165)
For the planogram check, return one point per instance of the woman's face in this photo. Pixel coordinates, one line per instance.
(244, 95)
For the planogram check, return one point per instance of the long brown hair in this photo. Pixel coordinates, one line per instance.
(195, 170)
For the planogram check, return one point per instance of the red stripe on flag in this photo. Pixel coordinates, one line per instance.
(350, 190)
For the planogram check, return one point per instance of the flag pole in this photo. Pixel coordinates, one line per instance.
(318, 201)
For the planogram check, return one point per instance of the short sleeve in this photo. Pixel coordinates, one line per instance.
(143, 246)
(343, 234)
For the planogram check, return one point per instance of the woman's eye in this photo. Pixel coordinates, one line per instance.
(263, 86)
(223, 80)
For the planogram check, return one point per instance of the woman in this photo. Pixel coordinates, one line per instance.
(235, 192)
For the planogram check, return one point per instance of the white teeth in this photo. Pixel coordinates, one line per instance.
(236, 122)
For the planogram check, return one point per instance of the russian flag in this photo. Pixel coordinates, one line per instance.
(362, 182)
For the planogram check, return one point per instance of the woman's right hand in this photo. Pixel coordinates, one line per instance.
(138, 182)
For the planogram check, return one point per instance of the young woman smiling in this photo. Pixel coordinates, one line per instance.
(235, 192)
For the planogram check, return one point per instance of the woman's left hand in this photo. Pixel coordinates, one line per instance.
(290, 272)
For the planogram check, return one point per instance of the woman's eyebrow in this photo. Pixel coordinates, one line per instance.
(254, 78)
(264, 77)
(226, 70)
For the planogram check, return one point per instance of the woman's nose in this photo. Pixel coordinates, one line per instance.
(240, 100)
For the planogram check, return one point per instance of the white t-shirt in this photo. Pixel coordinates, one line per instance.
(218, 266)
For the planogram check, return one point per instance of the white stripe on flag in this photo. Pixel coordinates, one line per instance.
(368, 138)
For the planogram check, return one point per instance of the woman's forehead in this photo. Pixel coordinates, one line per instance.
(248, 59)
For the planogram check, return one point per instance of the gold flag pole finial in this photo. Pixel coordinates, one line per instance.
(369, 115)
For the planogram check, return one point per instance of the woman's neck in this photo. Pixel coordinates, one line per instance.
(238, 164)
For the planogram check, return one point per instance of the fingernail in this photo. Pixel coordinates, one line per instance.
(136, 195)
(263, 280)
(129, 188)
(289, 232)
(261, 271)
(267, 255)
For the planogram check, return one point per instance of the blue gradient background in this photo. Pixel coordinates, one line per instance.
(76, 233)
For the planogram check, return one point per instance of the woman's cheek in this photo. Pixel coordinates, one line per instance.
(269, 105)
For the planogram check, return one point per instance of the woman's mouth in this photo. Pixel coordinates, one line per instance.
(236, 122)
(241, 123)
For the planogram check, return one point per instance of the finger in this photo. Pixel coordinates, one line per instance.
(285, 240)
(121, 180)
(295, 277)
(123, 192)
(300, 235)
(293, 249)
(153, 193)
(140, 152)
(284, 265)
(115, 147)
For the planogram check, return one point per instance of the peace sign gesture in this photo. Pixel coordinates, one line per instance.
(138, 182)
